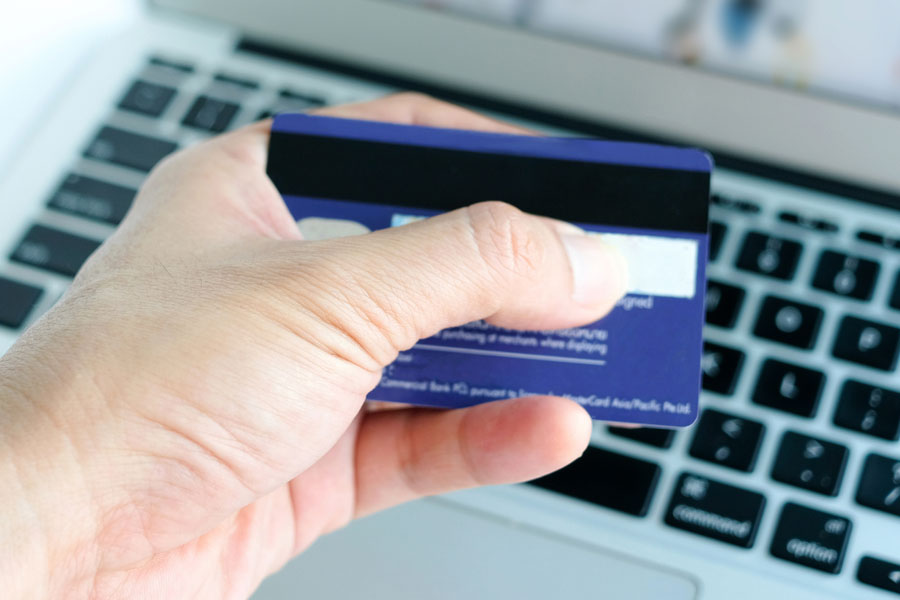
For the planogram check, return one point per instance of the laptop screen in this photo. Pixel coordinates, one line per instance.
(848, 51)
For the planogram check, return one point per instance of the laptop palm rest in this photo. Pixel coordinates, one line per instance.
(467, 555)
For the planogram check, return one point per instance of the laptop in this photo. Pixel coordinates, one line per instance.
(788, 486)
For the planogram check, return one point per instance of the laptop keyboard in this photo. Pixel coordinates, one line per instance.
(774, 341)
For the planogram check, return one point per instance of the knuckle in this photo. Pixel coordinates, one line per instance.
(506, 238)
(181, 166)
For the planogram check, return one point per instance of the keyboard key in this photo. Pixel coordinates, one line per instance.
(822, 225)
(870, 237)
(879, 485)
(790, 217)
(303, 98)
(789, 388)
(721, 366)
(845, 275)
(16, 301)
(825, 226)
(737, 204)
(869, 409)
(210, 114)
(53, 250)
(717, 232)
(242, 82)
(878, 239)
(770, 256)
(606, 478)
(659, 438)
(811, 538)
(727, 440)
(128, 149)
(715, 510)
(147, 98)
(894, 302)
(879, 573)
(788, 322)
(867, 343)
(92, 198)
(723, 303)
(174, 65)
(810, 463)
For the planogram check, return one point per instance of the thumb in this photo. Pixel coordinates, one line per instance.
(487, 261)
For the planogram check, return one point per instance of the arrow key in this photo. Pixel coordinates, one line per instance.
(879, 573)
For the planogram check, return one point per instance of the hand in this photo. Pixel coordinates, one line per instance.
(191, 414)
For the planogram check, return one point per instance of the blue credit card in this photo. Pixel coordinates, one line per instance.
(639, 364)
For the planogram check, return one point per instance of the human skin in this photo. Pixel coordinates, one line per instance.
(191, 414)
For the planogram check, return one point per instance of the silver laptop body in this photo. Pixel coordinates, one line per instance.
(788, 487)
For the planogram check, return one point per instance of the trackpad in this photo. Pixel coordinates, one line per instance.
(436, 550)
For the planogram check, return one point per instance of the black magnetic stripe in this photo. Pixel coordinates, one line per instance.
(444, 179)
(593, 128)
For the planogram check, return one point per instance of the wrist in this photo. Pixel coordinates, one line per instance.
(47, 518)
(23, 562)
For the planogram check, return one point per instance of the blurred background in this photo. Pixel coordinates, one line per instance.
(842, 48)
(846, 49)
(41, 44)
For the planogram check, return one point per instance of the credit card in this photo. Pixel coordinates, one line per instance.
(639, 364)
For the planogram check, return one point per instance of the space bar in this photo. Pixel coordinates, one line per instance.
(607, 478)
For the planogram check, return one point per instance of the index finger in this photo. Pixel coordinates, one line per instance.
(249, 144)
(235, 164)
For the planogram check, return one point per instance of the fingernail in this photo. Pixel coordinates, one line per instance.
(599, 271)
